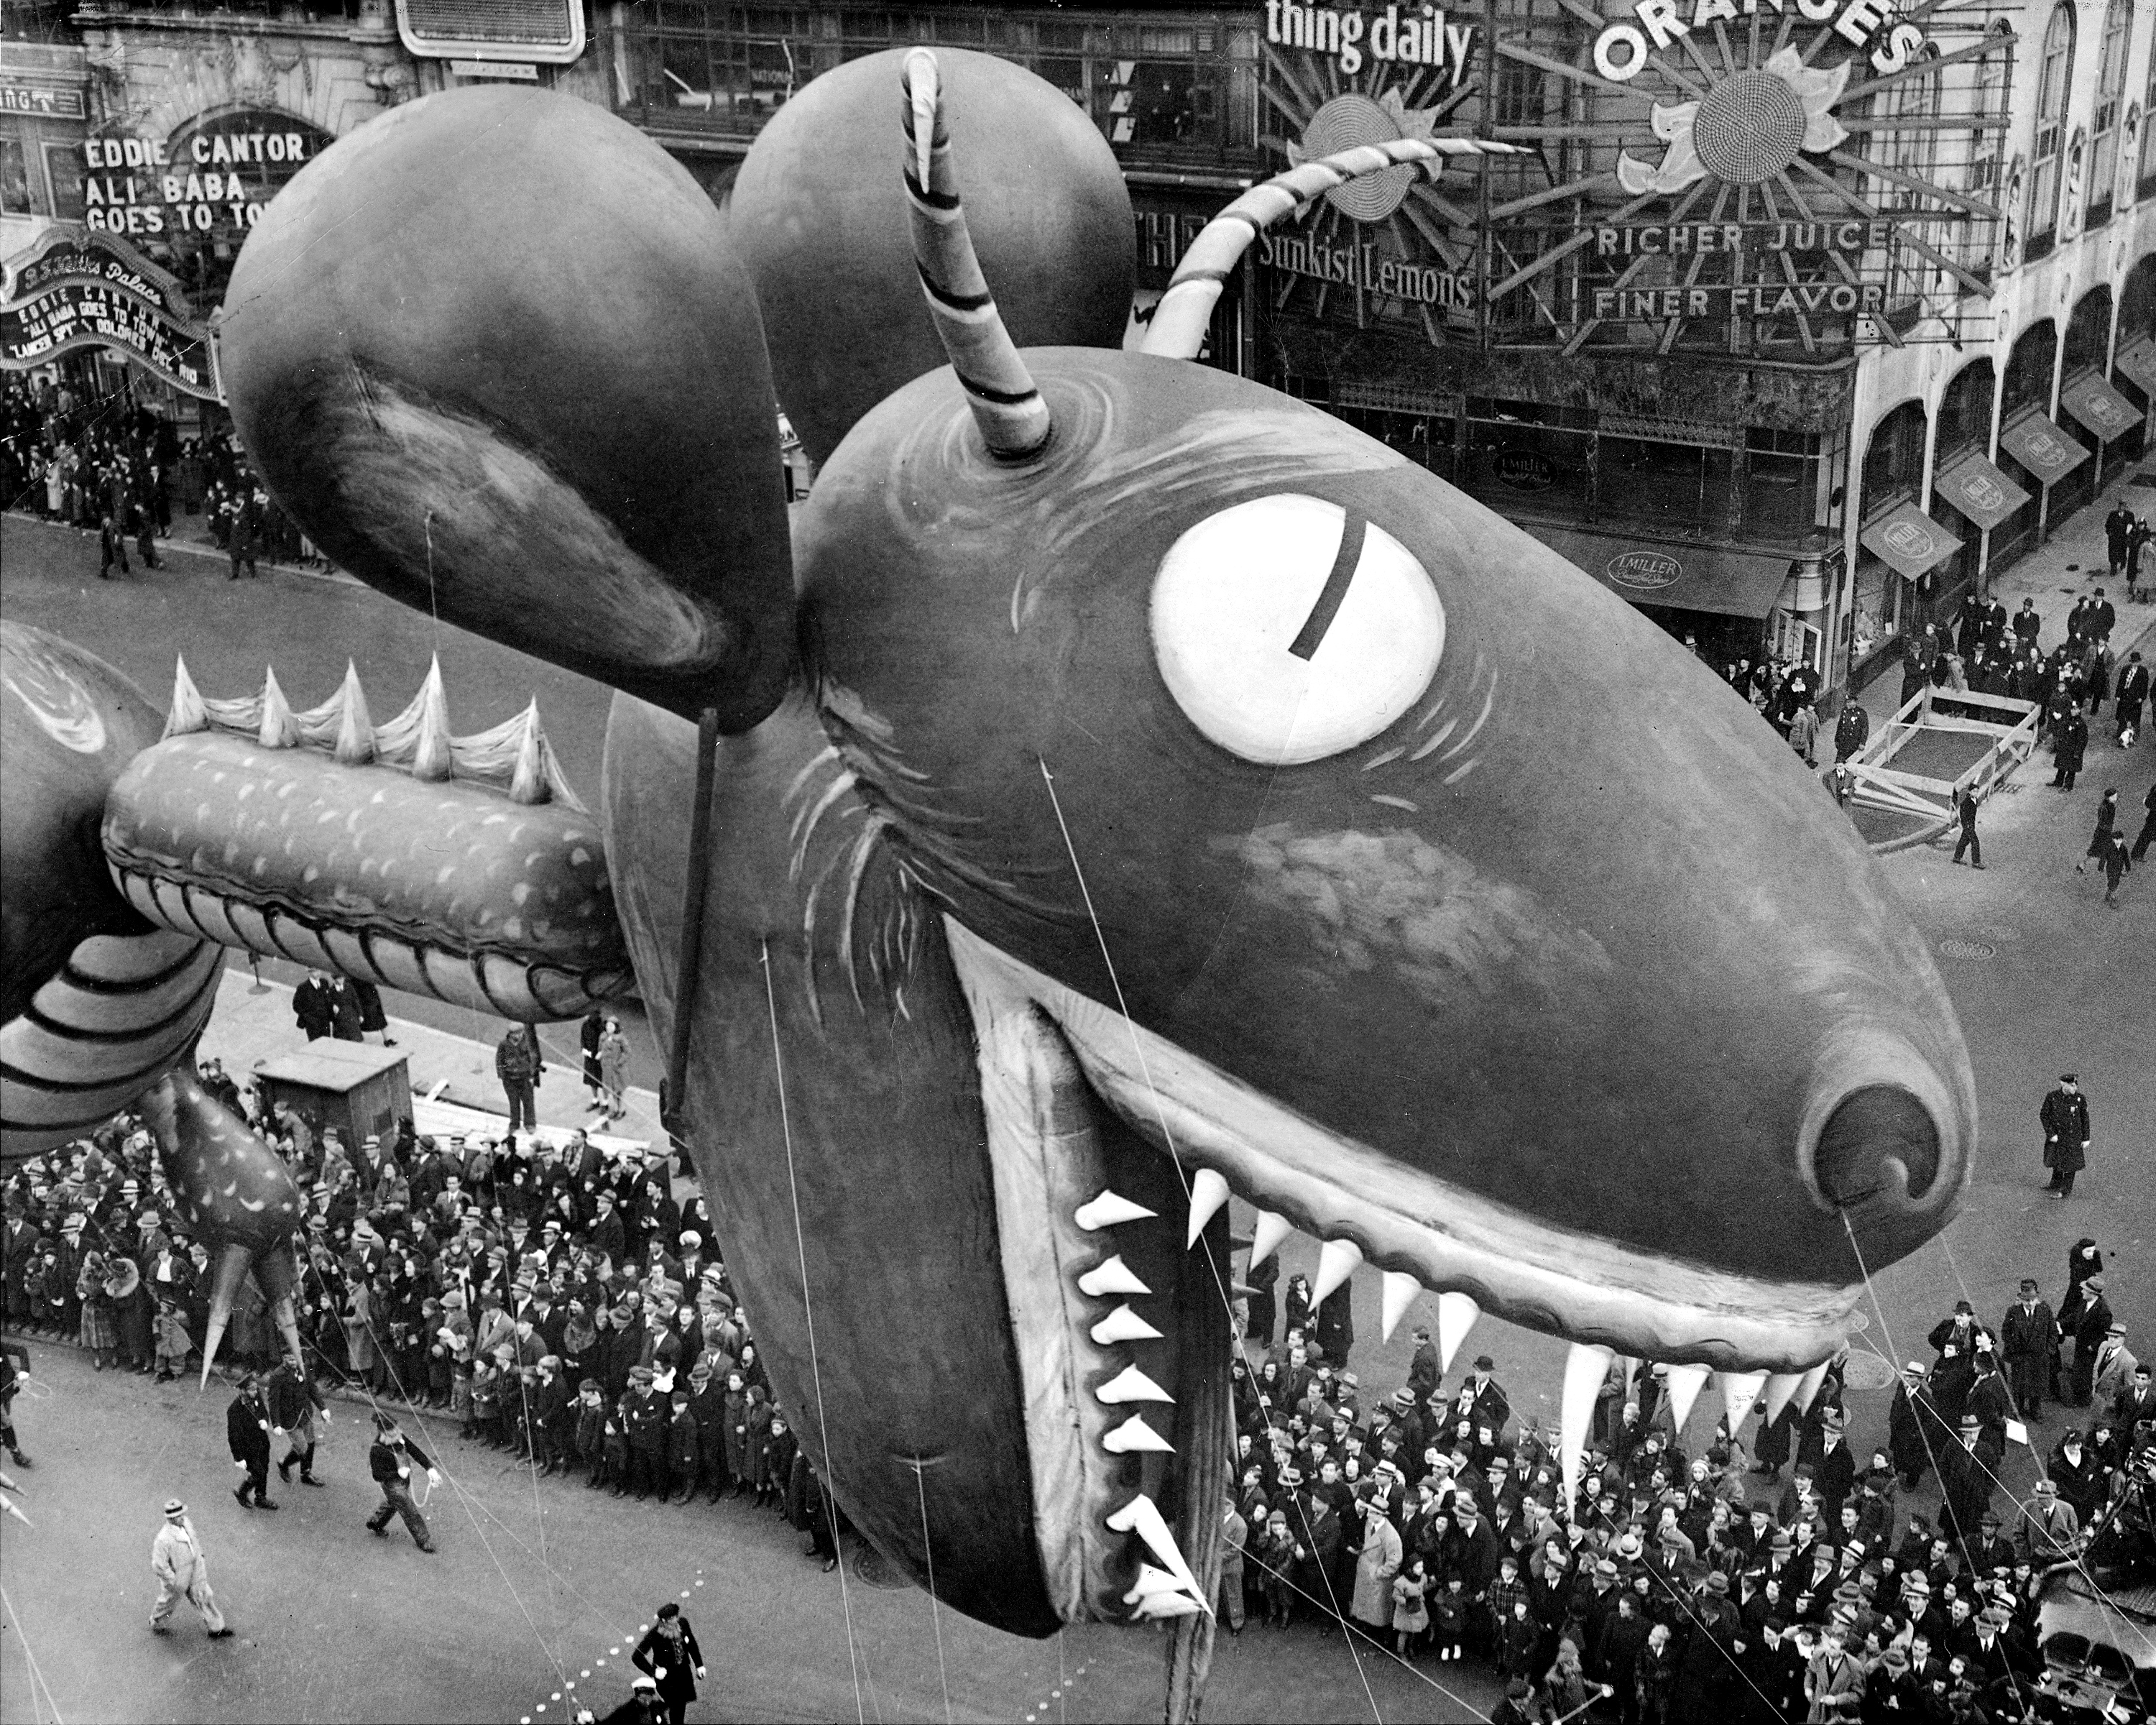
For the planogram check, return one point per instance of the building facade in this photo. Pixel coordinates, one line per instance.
(1791, 320)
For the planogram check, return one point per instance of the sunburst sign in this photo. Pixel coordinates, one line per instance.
(1749, 127)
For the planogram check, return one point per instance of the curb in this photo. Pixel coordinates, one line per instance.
(190, 548)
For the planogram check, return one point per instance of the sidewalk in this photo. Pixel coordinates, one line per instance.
(453, 1088)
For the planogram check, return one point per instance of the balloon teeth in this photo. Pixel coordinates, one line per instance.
(1400, 1290)
(1131, 1385)
(1684, 1383)
(1168, 1605)
(1208, 1191)
(1109, 1211)
(1134, 1437)
(1585, 1368)
(1113, 1277)
(1456, 1317)
(1123, 1325)
(1739, 1391)
(1780, 1387)
(1266, 1237)
(1141, 1516)
(1334, 1263)
(1151, 1581)
(1808, 1387)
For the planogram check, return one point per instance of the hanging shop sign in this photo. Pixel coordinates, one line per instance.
(39, 101)
(1908, 539)
(2039, 445)
(1979, 490)
(73, 290)
(2099, 406)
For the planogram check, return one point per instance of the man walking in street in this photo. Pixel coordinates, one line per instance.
(390, 1459)
(2118, 534)
(295, 1400)
(183, 1572)
(2065, 1117)
(2129, 698)
(1851, 730)
(2068, 746)
(247, 1432)
(112, 548)
(1965, 807)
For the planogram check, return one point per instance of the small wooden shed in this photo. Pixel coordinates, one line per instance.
(355, 1087)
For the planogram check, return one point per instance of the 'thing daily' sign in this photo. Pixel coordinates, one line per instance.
(1408, 35)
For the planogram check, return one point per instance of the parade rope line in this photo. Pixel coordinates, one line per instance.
(1880, 1310)
(935, 1612)
(38, 1680)
(1175, 1159)
(815, 1366)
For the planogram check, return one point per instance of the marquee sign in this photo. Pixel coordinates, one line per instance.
(73, 289)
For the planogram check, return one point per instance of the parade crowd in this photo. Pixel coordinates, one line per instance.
(1777, 1574)
(111, 467)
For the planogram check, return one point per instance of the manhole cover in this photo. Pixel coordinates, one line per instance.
(1859, 1322)
(1867, 1371)
(1968, 949)
(872, 1567)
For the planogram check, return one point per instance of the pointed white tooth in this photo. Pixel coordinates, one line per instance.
(1739, 1391)
(1151, 1581)
(1134, 1435)
(1113, 1277)
(1266, 1236)
(1456, 1317)
(1686, 1382)
(1334, 1263)
(1124, 1325)
(1141, 1516)
(1780, 1387)
(1108, 1210)
(1131, 1385)
(1399, 1293)
(1168, 1605)
(1808, 1387)
(1208, 1191)
(1585, 1368)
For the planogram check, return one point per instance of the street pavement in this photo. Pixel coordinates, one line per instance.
(334, 1625)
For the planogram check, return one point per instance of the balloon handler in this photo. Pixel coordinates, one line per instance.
(390, 1461)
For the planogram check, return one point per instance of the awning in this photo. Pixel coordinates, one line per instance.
(2094, 402)
(2047, 452)
(1684, 577)
(1908, 539)
(2139, 363)
(1978, 490)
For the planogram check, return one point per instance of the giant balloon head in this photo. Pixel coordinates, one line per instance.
(1126, 786)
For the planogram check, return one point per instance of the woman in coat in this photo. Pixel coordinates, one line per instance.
(97, 1332)
(669, 1656)
(1299, 1307)
(614, 1070)
(1376, 1564)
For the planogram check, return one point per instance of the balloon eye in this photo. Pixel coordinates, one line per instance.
(1289, 630)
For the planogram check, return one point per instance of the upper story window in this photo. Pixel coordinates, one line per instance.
(2110, 112)
(2054, 82)
(2147, 180)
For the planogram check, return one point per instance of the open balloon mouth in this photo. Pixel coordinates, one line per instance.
(1115, 1152)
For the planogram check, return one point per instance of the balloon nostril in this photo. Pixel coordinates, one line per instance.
(1869, 1130)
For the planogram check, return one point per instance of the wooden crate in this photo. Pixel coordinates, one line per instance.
(355, 1087)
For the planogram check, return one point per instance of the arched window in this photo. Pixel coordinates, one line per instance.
(2055, 75)
(2110, 111)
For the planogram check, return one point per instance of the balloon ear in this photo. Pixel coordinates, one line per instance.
(819, 213)
(496, 353)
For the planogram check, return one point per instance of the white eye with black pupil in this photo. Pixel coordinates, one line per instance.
(1289, 630)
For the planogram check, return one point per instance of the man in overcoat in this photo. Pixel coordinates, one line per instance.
(247, 1433)
(2065, 1117)
(2029, 1341)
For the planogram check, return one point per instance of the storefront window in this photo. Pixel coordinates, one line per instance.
(1676, 490)
(1526, 460)
(1180, 88)
(2110, 100)
(14, 179)
(1781, 486)
(2054, 82)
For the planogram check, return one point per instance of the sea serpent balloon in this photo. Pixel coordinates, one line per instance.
(1124, 786)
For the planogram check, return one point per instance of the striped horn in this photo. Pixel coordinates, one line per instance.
(1179, 321)
(1013, 418)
